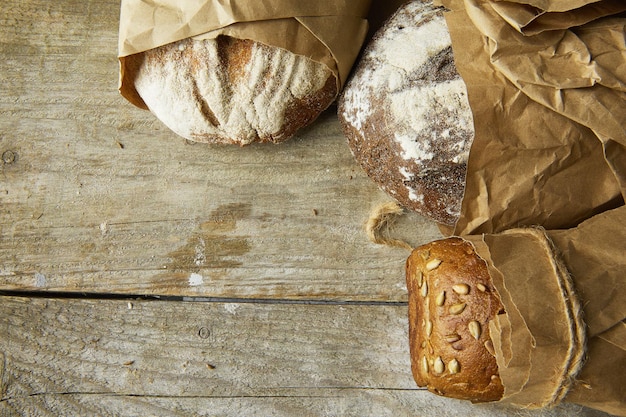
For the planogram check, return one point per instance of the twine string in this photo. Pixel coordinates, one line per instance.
(377, 226)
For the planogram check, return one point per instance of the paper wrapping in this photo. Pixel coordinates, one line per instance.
(547, 349)
(329, 32)
(549, 114)
(538, 16)
(545, 188)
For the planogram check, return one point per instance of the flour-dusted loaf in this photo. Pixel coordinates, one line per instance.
(451, 302)
(406, 113)
(228, 90)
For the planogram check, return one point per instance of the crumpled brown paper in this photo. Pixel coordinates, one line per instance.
(549, 113)
(546, 82)
(329, 32)
(547, 349)
(533, 17)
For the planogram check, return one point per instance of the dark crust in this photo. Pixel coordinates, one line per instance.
(440, 181)
(302, 112)
(233, 56)
(379, 155)
(478, 379)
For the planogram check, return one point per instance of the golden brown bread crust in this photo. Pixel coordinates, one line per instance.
(229, 90)
(451, 301)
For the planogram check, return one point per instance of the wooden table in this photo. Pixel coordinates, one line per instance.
(143, 275)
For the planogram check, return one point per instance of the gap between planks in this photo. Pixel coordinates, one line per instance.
(198, 299)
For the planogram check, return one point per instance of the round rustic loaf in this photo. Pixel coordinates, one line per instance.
(406, 114)
(451, 302)
(228, 90)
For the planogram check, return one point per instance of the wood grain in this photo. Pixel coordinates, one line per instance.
(99, 197)
(107, 358)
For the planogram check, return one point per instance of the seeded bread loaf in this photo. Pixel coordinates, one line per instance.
(228, 90)
(406, 114)
(451, 302)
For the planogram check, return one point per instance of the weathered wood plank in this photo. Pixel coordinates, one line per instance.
(97, 196)
(250, 240)
(331, 402)
(109, 357)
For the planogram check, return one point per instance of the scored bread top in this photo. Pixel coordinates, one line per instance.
(451, 302)
(406, 113)
(228, 90)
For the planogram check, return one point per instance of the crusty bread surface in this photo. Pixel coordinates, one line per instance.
(451, 302)
(406, 114)
(228, 90)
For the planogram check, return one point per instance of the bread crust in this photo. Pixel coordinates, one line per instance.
(229, 90)
(451, 302)
(406, 114)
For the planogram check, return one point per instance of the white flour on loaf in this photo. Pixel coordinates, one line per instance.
(406, 110)
(211, 100)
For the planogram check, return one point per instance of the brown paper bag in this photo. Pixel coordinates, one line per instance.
(329, 32)
(563, 337)
(547, 86)
(549, 114)
(555, 5)
(530, 19)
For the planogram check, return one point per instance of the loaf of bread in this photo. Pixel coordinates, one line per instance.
(228, 90)
(406, 114)
(451, 302)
